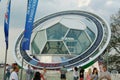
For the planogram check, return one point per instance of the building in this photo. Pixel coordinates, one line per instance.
(69, 38)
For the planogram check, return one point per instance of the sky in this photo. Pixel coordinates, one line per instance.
(103, 8)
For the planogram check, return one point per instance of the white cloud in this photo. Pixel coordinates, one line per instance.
(82, 3)
(109, 2)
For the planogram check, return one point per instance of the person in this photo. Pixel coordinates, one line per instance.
(37, 76)
(14, 64)
(75, 73)
(81, 74)
(14, 74)
(94, 75)
(105, 75)
(7, 75)
(88, 75)
(29, 73)
(44, 73)
(63, 72)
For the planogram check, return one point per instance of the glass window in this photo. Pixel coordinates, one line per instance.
(77, 41)
(56, 32)
(55, 47)
(84, 41)
(90, 33)
(38, 42)
(72, 42)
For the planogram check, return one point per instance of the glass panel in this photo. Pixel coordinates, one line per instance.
(35, 48)
(91, 34)
(38, 42)
(77, 41)
(72, 42)
(55, 47)
(56, 32)
(84, 41)
(90, 24)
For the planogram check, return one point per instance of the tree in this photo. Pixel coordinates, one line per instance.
(114, 62)
(114, 59)
(115, 32)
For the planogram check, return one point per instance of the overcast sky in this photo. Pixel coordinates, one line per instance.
(103, 8)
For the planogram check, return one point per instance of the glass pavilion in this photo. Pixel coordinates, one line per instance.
(62, 38)
(67, 38)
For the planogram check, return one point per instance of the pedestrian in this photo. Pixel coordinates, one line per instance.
(94, 75)
(37, 76)
(44, 73)
(14, 74)
(63, 72)
(7, 75)
(29, 73)
(88, 75)
(81, 73)
(105, 75)
(75, 73)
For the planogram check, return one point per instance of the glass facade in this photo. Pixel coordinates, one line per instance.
(64, 39)
(58, 39)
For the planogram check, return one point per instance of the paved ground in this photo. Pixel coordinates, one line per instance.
(54, 75)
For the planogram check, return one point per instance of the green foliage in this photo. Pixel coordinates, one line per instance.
(115, 35)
